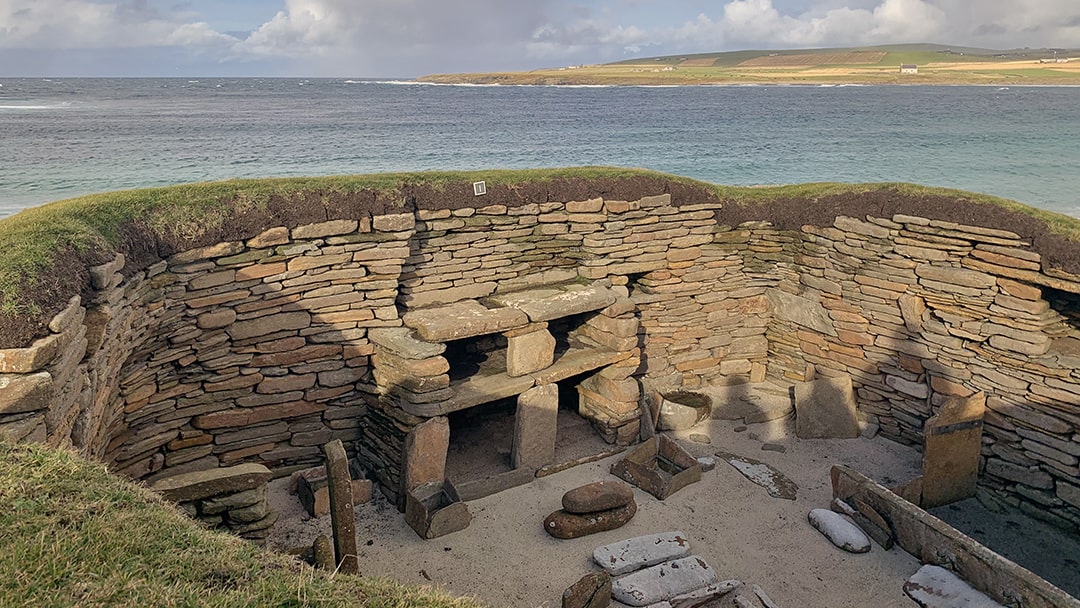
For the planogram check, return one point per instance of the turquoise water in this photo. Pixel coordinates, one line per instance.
(61, 138)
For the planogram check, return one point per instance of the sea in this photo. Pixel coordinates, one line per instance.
(61, 137)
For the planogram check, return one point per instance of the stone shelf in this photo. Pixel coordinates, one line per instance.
(491, 385)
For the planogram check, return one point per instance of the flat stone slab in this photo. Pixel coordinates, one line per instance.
(663, 582)
(839, 531)
(577, 361)
(765, 475)
(641, 552)
(935, 587)
(825, 409)
(706, 596)
(557, 301)
(401, 342)
(204, 484)
(483, 389)
(752, 403)
(464, 319)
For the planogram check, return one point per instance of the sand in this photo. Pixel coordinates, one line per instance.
(504, 557)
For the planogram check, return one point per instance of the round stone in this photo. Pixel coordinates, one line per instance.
(597, 496)
(561, 524)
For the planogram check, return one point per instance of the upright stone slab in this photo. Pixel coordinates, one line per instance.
(529, 352)
(342, 517)
(953, 439)
(535, 427)
(425, 452)
(825, 409)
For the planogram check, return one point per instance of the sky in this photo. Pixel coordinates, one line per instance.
(408, 38)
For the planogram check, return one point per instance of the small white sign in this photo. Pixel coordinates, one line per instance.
(479, 188)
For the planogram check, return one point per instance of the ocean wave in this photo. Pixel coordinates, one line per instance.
(27, 106)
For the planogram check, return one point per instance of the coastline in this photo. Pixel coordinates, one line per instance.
(966, 73)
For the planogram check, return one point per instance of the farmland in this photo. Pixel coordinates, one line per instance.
(870, 65)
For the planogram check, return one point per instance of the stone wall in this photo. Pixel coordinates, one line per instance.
(227, 498)
(257, 350)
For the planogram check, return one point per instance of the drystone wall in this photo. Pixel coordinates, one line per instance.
(257, 350)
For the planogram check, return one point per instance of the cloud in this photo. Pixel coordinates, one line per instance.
(411, 37)
(79, 24)
(988, 23)
(359, 36)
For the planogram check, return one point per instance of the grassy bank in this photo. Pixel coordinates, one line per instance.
(74, 535)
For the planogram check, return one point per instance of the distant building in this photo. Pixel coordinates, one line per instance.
(909, 68)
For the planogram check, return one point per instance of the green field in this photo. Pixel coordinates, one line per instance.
(937, 64)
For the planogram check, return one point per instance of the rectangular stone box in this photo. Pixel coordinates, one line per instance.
(313, 490)
(659, 466)
(434, 509)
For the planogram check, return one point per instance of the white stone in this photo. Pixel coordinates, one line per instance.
(641, 552)
(935, 587)
(839, 530)
(663, 581)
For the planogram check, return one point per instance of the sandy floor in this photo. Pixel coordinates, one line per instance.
(506, 559)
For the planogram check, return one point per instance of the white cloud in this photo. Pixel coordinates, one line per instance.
(409, 37)
(80, 24)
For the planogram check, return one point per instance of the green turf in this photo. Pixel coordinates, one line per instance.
(74, 535)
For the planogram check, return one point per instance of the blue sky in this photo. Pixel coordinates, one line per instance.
(407, 38)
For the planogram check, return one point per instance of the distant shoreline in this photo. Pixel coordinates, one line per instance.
(550, 78)
(903, 65)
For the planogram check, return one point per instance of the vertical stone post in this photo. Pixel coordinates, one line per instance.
(535, 427)
(342, 517)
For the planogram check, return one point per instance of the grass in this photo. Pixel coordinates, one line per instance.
(74, 535)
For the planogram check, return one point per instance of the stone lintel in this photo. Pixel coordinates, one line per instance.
(212, 482)
(557, 301)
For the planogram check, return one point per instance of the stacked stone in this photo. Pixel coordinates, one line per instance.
(609, 398)
(466, 253)
(231, 498)
(916, 311)
(40, 385)
(258, 350)
(265, 348)
(404, 368)
(596, 507)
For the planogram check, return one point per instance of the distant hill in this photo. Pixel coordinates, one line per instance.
(933, 64)
(891, 54)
